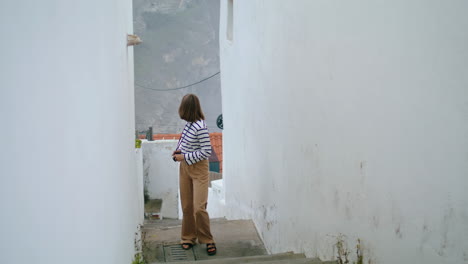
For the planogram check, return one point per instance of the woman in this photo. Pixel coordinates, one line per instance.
(192, 151)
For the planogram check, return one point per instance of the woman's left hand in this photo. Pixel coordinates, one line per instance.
(178, 157)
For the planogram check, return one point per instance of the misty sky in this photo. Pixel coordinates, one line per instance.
(180, 47)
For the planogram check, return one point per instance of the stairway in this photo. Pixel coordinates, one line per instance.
(237, 242)
(289, 258)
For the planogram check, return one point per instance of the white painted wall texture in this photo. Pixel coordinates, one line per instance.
(161, 175)
(140, 184)
(68, 186)
(349, 117)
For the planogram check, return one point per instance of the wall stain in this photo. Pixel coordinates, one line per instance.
(349, 206)
(449, 213)
(336, 199)
(348, 213)
(269, 215)
(270, 224)
(375, 221)
(363, 171)
(362, 165)
(425, 236)
(398, 232)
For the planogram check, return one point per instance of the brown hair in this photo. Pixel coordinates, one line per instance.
(190, 109)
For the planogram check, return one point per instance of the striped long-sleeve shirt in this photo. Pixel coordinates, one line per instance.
(195, 142)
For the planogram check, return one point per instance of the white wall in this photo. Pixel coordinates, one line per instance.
(161, 174)
(140, 184)
(68, 186)
(349, 117)
(216, 202)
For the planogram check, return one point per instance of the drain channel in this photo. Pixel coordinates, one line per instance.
(176, 253)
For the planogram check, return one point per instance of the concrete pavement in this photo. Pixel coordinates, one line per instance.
(237, 241)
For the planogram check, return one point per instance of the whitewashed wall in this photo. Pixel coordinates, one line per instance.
(68, 186)
(349, 117)
(140, 184)
(161, 174)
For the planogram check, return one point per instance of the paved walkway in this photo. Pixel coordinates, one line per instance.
(236, 238)
(237, 242)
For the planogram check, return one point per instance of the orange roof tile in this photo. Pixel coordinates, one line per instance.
(162, 136)
(166, 137)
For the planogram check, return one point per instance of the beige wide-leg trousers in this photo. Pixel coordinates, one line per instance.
(193, 185)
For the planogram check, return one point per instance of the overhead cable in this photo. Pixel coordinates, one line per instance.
(178, 88)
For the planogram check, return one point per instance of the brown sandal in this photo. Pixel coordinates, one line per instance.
(211, 249)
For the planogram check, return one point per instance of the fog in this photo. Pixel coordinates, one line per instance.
(180, 47)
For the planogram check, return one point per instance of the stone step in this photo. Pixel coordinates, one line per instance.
(292, 261)
(282, 258)
(237, 242)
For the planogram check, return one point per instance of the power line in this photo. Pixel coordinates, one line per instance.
(178, 88)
